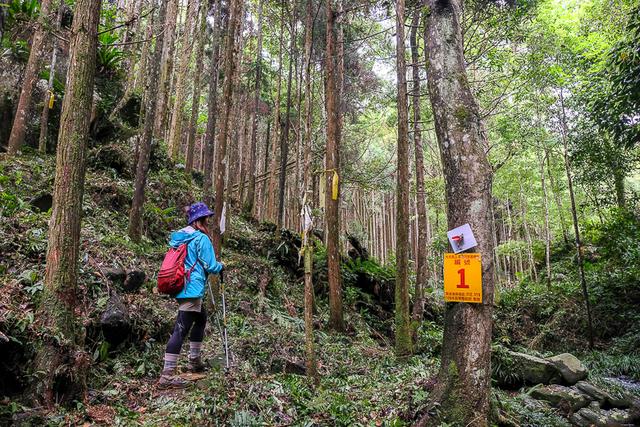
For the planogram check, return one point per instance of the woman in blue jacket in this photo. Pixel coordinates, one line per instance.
(192, 317)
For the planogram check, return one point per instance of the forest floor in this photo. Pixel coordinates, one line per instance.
(361, 381)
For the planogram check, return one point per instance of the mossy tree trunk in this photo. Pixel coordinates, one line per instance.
(177, 113)
(144, 152)
(422, 266)
(19, 128)
(312, 370)
(284, 137)
(251, 187)
(403, 325)
(235, 7)
(465, 374)
(195, 97)
(162, 86)
(332, 158)
(212, 106)
(61, 357)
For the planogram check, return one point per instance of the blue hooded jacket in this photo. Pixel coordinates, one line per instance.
(199, 252)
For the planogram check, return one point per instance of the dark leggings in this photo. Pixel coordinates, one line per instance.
(184, 323)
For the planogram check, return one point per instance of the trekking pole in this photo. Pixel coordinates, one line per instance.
(215, 309)
(225, 341)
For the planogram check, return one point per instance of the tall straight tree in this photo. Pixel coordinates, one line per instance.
(162, 86)
(251, 190)
(212, 106)
(195, 96)
(142, 166)
(284, 137)
(466, 352)
(422, 267)
(48, 96)
(564, 130)
(61, 357)
(177, 112)
(403, 324)
(235, 7)
(276, 122)
(312, 370)
(332, 199)
(19, 128)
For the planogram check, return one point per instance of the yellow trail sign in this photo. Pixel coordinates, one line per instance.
(463, 278)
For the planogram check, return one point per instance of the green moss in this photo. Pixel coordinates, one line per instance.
(461, 114)
(453, 409)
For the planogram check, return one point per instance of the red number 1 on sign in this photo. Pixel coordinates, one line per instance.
(462, 284)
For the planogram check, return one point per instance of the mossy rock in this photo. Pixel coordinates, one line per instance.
(535, 370)
(558, 395)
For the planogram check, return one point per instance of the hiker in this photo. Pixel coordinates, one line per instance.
(199, 263)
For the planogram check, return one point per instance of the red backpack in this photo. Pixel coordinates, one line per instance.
(172, 276)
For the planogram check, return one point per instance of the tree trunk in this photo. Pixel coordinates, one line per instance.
(276, 123)
(195, 97)
(284, 138)
(422, 267)
(251, 190)
(334, 125)
(142, 167)
(184, 58)
(19, 128)
(163, 84)
(547, 227)
(466, 351)
(212, 107)
(235, 7)
(61, 357)
(403, 324)
(527, 235)
(576, 226)
(49, 96)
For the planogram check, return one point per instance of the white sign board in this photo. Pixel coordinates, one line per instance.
(461, 238)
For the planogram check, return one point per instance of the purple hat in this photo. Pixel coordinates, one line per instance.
(198, 210)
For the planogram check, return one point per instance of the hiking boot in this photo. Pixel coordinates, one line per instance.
(168, 379)
(195, 365)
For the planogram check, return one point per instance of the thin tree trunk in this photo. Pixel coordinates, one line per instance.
(422, 267)
(547, 228)
(142, 167)
(49, 96)
(576, 226)
(284, 138)
(61, 357)
(334, 124)
(212, 107)
(466, 351)
(184, 58)
(404, 343)
(19, 128)
(167, 66)
(558, 200)
(235, 15)
(276, 124)
(248, 205)
(527, 235)
(195, 96)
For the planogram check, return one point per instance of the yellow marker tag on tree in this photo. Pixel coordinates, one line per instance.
(52, 98)
(463, 278)
(334, 185)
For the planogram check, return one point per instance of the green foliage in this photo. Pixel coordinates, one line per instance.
(503, 367)
(109, 57)
(21, 10)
